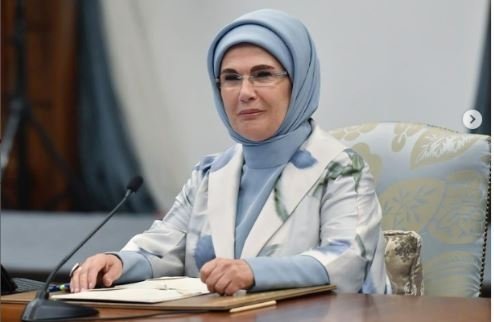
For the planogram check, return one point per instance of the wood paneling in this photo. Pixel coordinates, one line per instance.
(35, 180)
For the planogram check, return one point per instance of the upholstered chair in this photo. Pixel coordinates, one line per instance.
(434, 182)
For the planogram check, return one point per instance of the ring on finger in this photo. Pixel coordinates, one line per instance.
(74, 268)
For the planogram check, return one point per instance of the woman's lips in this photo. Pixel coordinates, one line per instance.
(250, 112)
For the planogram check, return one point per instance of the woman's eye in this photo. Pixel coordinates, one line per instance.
(231, 77)
(263, 74)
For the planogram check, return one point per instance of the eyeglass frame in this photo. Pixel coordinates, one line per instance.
(252, 79)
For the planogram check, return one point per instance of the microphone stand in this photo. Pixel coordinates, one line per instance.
(42, 308)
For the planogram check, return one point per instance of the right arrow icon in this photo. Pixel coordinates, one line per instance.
(472, 119)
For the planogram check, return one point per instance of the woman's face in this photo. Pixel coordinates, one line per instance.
(254, 112)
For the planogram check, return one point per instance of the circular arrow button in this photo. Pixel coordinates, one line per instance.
(472, 119)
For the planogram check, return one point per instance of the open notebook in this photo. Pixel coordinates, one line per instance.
(149, 291)
(136, 297)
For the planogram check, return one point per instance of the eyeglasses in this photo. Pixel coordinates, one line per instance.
(259, 78)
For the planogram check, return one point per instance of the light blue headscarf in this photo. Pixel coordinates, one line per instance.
(287, 39)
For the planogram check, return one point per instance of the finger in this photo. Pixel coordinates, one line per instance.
(210, 283)
(89, 270)
(74, 281)
(214, 277)
(92, 275)
(240, 275)
(221, 285)
(231, 289)
(207, 269)
(83, 278)
(113, 273)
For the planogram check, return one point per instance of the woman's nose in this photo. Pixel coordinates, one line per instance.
(247, 91)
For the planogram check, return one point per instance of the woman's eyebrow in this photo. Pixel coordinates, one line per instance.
(252, 69)
(229, 71)
(261, 67)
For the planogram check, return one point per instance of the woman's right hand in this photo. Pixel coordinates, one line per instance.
(100, 269)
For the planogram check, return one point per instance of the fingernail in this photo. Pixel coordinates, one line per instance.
(83, 290)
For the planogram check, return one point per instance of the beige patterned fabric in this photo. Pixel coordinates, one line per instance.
(435, 182)
(403, 264)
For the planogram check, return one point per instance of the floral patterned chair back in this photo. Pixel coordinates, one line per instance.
(435, 182)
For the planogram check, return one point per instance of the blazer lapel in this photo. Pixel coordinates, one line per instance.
(295, 182)
(222, 204)
(292, 186)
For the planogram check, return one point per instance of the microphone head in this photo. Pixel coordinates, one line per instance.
(135, 183)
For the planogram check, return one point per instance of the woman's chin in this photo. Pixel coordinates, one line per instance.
(256, 134)
(255, 130)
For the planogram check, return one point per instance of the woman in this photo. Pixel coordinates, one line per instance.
(288, 206)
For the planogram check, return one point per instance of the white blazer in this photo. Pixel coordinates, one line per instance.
(328, 210)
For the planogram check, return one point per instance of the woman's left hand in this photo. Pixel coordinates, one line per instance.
(227, 276)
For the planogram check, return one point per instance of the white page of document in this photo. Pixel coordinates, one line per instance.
(148, 291)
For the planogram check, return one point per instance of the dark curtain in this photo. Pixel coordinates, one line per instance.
(483, 97)
(107, 159)
(483, 105)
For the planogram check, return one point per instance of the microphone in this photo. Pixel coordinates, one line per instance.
(42, 308)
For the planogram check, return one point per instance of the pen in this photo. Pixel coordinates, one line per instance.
(253, 306)
(60, 288)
